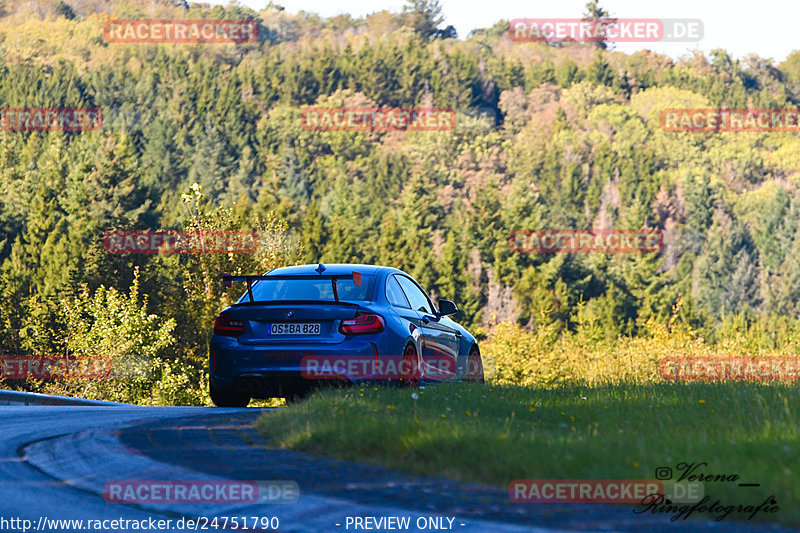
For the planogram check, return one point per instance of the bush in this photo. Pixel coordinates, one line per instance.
(112, 326)
(515, 356)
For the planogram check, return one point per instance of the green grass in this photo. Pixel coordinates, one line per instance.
(493, 434)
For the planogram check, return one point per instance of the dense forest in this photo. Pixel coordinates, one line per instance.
(209, 136)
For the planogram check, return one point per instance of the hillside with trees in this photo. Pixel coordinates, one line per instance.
(547, 136)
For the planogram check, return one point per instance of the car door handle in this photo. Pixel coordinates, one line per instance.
(425, 319)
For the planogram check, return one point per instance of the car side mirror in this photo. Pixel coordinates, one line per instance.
(446, 307)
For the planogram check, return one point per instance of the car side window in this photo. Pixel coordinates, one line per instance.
(395, 294)
(417, 297)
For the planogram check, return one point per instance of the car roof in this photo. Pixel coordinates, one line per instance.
(332, 269)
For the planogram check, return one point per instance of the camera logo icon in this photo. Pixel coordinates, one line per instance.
(663, 473)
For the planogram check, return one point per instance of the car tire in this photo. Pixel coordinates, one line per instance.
(296, 395)
(475, 367)
(411, 361)
(227, 398)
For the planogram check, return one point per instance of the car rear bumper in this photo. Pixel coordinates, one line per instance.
(278, 385)
(275, 370)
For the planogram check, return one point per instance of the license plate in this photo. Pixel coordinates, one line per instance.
(293, 329)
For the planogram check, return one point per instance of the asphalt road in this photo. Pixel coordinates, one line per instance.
(56, 462)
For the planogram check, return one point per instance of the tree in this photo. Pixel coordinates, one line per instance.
(425, 17)
(313, 234)
(448, 33)
(213, 161)
(600, 71)
(790, 68)
(601, 18)
(62, 9)
(115, 332)
(104, 193)
(726, 272)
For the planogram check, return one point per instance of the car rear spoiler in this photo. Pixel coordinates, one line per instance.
(228, 280)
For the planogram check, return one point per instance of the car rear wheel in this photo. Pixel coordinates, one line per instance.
(411, 369)
(227, 398)
(475, 367)
(296, 395)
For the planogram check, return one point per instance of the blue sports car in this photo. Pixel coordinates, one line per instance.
(297, 328)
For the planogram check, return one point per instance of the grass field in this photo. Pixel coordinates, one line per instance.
(494, 434)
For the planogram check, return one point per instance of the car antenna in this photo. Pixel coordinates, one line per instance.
(320, 269)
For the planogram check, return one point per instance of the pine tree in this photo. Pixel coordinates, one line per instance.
(596, 14)
(313, 236)
(425, 16)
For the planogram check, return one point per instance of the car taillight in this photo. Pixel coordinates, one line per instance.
(363, 323)
(226, 327)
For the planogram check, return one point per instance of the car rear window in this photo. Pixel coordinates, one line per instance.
(312, 289)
